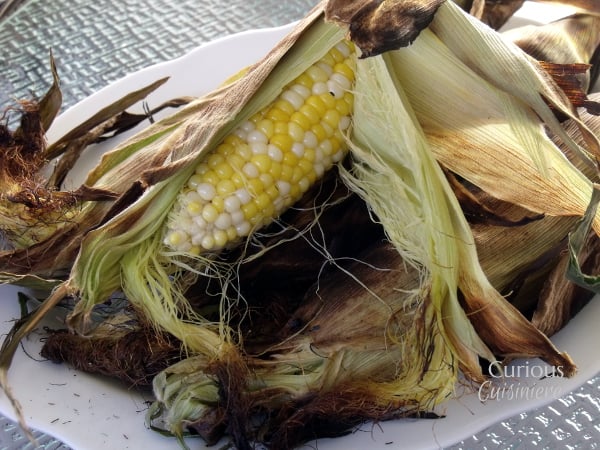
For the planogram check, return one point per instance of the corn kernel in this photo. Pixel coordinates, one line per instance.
(194, 208)
(317, 74)
(243, 229)
(305, 165)
(225, 187)
(231, 234)
(319, 132)
(225, 150)
(220, 238)
(328, 99)
(309, 154)
(316, 102)
(275, 169)
(215, 160)
(208, 242)
(250, 210)
(232, 203)
(262, 162)
(206, 190)
(284, 106)
(305, 80)
(296, 132)
(281, 127)
(265, 126)
(274, 153)
(209, 213)
(218, 203)
(234, 140)
(263, 201)
(293, 98)
(194, 181)
(238, 179)
(260, 135)
(337, 56)
(236, 162)
(301, 120)
(301, 90)
(272, 191)
(282, 141)
(211, 177)
(250, 170)
(201, 169)
(223, 170)
(332, 118)
(243, 195)
(223, 221)
(286, 173)
(344, 69)
(311, 114)
(289, 159)
(320, 89)
(255, 186)
(304, 184)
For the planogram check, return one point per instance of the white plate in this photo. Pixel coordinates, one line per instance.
(93, 413)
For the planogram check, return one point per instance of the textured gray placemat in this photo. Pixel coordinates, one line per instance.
(96, 42)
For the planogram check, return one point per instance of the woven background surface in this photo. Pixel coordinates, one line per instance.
(97, 42)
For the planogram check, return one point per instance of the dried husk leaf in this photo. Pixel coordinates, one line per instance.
(507, 252)
(52, 101)
(593, 123)
(574, 39)
(466, 141)
(107, 113)
(560, 299)
(376, 27)
(386, 170)
(514, 73)
(480, 207)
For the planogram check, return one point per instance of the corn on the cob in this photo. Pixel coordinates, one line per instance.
(269, 160)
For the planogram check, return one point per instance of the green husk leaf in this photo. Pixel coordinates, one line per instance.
(576, 241)
(419, 222)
